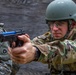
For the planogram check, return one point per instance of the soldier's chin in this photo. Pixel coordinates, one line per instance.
(57, 38)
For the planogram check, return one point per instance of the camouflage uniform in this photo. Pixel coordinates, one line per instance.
(5, 62)
(59, 54)
(6, 65)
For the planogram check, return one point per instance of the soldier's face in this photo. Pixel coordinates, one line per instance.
(58, 29)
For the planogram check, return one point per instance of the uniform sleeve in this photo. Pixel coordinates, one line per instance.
(42, 39)
(58, 52)
(5, 62)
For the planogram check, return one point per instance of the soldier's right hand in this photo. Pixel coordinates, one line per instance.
(23, 54)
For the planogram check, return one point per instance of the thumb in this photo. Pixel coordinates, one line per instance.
(24, 38)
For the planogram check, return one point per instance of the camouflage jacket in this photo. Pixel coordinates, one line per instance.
(58, 54)
(5, 62)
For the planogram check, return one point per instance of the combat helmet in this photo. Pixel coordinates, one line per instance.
(61, 10)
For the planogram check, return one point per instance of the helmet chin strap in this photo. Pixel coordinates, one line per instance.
(69, 29)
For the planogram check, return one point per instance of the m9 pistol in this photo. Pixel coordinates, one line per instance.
(12, 36)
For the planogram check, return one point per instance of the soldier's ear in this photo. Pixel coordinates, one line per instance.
(73, 24)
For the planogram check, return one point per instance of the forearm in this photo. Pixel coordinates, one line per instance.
(56, 49)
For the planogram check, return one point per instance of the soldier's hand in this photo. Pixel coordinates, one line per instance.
(23, 54)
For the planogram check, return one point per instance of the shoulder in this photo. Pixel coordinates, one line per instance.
(45, 35)
(72, 34)
(43, 38)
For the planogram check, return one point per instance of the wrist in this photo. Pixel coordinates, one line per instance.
(37, 53)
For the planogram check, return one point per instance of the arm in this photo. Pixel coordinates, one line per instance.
(58, 52)
(50, 51)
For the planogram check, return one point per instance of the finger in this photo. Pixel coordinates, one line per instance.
(13, 44)
(27, 35)
(24, 38)
(18, 60)
(9, 50)
(14, 58)
(18, 50)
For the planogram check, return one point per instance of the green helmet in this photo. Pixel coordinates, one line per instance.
(61, 10)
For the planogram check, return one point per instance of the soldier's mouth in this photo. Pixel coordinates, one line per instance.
(56, 34)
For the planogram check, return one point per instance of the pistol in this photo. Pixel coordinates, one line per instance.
(12, 36)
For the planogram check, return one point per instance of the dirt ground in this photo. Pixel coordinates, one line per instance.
(34, 68)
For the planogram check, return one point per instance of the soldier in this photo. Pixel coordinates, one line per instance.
(6, 65)
(57, 47)
(5, 62)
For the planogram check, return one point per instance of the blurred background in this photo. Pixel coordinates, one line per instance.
(28, 15)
